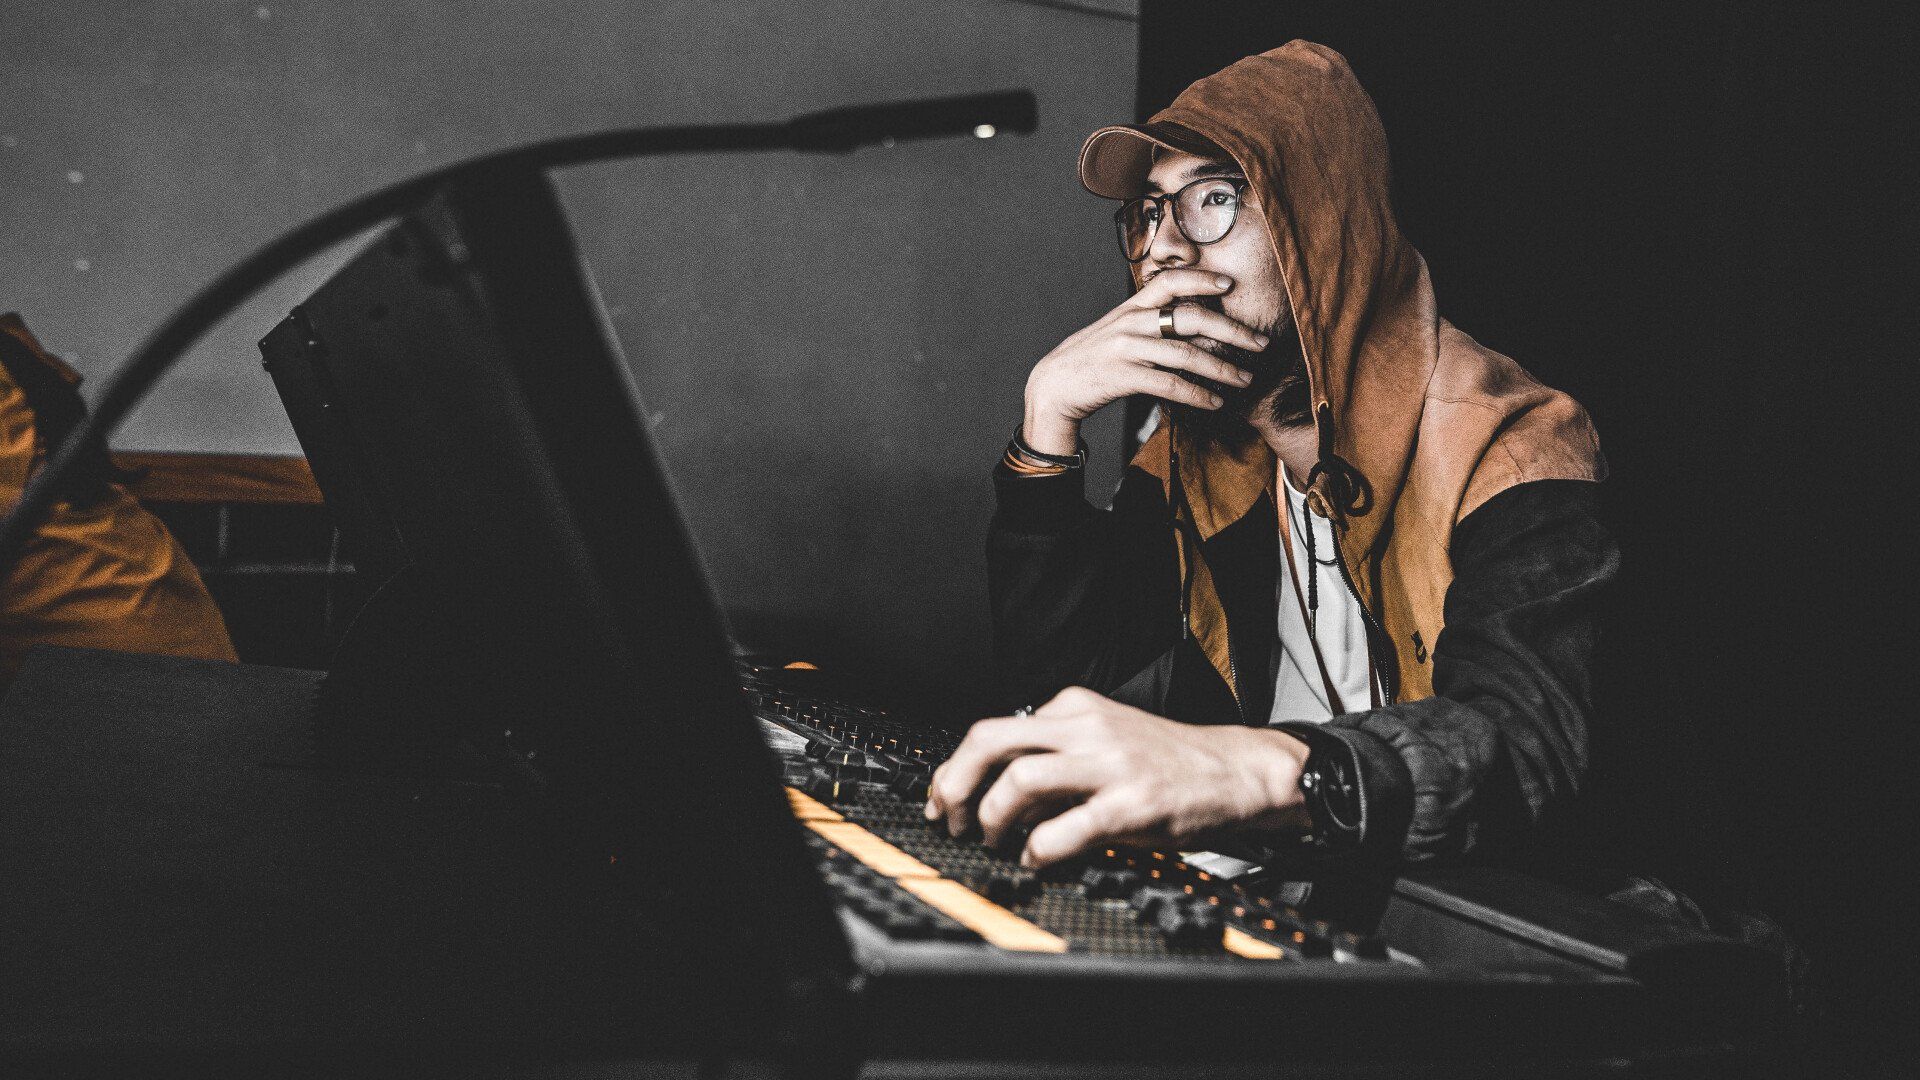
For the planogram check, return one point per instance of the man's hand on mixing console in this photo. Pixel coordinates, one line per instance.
(1084, 769)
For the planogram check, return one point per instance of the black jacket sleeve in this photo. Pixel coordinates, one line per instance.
(1505, 734)
(1080, 596)
(1090, 597)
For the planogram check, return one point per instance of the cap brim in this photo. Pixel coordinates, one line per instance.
(1115, 160)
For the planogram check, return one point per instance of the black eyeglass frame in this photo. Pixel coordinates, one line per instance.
(1168, 203)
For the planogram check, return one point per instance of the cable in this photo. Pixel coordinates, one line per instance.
(832, 131)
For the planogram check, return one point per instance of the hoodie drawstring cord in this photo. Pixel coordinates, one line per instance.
(1187, 550)
(1313, 575)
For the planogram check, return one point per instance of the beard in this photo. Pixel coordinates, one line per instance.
(1279, 386)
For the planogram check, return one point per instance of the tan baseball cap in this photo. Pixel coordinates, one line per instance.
(1115, 160)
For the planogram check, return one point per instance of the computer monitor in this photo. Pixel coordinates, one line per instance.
(539, 618)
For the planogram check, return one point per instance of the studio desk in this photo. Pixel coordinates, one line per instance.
(181, 895)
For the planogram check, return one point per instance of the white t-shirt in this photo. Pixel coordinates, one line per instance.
(1298, 692)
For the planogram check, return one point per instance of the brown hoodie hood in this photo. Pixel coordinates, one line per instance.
(1418, 424)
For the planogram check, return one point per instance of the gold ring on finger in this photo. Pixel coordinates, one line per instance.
(1166, 322)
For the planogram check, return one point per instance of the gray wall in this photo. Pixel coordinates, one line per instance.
(831, 349)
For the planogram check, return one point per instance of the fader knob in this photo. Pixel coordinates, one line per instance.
(911, 786)
(1106, 884)
(1010, 888)
(826, 787)
(1190, 925)
(1149, 901)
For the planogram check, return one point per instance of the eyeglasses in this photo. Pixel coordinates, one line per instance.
(1203, 211)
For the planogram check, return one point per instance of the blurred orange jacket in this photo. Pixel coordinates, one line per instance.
(105, 576)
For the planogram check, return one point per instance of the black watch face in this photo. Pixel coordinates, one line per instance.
(1340, 795)
(1342, 784)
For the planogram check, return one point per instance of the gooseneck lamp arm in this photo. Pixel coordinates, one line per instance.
(833, 131)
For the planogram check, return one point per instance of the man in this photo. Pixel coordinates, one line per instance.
(1346, 590)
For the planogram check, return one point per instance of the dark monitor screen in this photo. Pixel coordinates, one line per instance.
(538, 612)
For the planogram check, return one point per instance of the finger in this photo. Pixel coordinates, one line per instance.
(1170, 285)
(1034, 783)
(1193, 320)
(988, 745)
(950, 811)
(1186, 356)
(1070, 702)
(1114, 813)
(1167, 386)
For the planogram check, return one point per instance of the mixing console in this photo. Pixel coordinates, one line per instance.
(857, 779)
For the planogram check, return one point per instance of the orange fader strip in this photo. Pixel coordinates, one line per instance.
(807, 808)
(995, 924)
(1240, 943)
(872, 850)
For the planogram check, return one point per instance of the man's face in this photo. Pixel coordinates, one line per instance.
(1258, 299)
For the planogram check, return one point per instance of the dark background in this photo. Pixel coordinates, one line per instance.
(1689, 217)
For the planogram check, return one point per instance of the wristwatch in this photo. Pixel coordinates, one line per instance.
(1330, 786)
